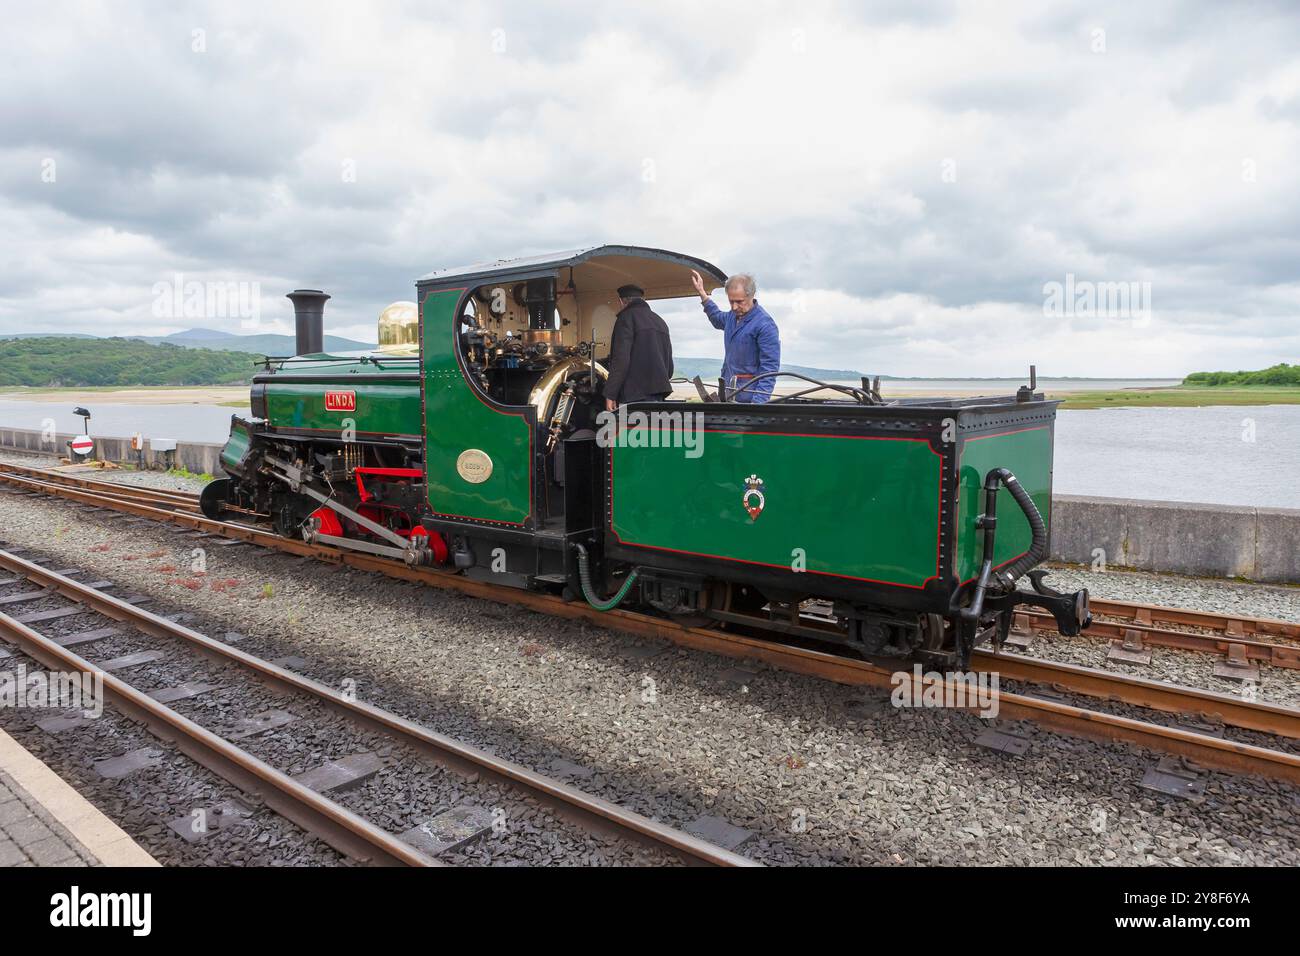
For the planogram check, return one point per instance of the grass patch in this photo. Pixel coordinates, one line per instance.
(186, 473)
(1183, 396)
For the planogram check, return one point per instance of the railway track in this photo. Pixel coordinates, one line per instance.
(343, 829)
(176, 500)
(1133, 629)
(791, 646)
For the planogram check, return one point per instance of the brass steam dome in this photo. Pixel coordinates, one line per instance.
(399, 329)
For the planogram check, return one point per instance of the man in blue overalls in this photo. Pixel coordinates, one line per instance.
(752, 342)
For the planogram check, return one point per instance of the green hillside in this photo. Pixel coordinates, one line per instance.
(45, 362)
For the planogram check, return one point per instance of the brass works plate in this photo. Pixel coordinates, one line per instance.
(474, 466)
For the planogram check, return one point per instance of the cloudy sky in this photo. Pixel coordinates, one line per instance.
(906, 183)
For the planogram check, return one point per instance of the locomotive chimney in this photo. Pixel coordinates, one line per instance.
(309, 320)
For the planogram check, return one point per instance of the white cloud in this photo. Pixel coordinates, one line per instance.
(354, 148)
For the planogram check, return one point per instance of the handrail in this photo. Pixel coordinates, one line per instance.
(859, 395)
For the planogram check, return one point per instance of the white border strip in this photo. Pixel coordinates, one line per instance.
(96, 832)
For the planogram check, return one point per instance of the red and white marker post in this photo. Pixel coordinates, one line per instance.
(82, 446)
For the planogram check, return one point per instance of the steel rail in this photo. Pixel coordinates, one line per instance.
(1155, 695)
(1153, 613)
(591, 812)
(181, 498)
(1219, 642)
(1205, 749)
(144, 497)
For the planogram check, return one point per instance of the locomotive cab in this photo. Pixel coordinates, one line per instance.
(517, 348)
(516, 330)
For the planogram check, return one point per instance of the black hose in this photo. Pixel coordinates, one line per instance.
(589, 592)
(988, 522)
(1038, 546)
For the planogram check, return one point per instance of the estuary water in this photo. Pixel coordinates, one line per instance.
(1220, 454)
(199, 423)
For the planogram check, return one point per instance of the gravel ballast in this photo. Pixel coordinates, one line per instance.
(819, 772)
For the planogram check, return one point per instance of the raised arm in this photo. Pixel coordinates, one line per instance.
(717, 318)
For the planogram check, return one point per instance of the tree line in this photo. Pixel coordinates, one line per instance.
(1280, 374)
(53, 362)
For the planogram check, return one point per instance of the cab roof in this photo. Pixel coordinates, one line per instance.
(595, 269)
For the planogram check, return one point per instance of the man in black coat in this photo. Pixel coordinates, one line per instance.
(641, 354)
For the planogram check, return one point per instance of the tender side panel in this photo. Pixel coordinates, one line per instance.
(859, 508)
(375, 408)
(457, 419)
(1028, 454)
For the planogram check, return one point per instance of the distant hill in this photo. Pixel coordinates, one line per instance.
(265, 344)
(54, 361)
(47, 335)
(709, 370)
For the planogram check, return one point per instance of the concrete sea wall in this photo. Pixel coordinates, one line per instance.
(197, 457)
(1258, 544)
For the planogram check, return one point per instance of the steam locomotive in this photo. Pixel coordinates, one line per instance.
(474, 439)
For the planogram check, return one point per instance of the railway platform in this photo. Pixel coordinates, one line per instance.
(45, 822)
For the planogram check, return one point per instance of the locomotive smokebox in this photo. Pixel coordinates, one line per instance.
(309, 320)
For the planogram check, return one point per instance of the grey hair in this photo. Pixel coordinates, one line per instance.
(745, 281)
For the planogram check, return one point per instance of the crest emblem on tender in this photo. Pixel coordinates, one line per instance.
(752, 498)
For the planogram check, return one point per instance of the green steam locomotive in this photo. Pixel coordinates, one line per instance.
(475, 439)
